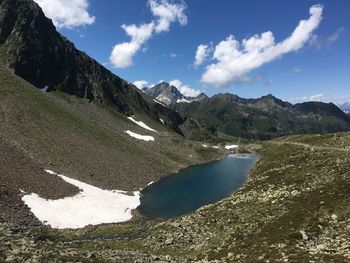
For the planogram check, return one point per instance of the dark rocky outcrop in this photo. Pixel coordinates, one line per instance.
(31, 46)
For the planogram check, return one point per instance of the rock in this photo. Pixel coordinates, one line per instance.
(334, 217)
(303, 234)
(169, 241)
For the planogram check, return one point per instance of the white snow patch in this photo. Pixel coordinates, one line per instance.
(228, 147)
(92, 206)
(183, 101)
(164, 99)
(140, 137)
(156, 101)
(216, 147)
(141, 124)
(241, 156)
(161, 120)
(205, 146)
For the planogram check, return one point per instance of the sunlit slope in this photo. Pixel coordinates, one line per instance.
(86, 141)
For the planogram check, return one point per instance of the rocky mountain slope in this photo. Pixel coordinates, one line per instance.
(170, 95)
(264, 118)
(35, 51)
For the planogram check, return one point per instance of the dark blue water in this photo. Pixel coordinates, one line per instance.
(194, 187)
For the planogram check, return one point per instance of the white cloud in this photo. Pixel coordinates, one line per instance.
(165, 13)
(141, 83)
(335, 36)
(235, 59)
(297, 70)
(67, 13)
(322, 97)
(172, 55)
(184, 89)
(318, 41)
(317, 97)
(203, 51)
(123, 53)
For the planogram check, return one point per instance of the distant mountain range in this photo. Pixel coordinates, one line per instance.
(35, 51)
(345, 107)
(170, 95)
(263, 118)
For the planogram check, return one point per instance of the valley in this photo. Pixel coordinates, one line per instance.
(94, 168)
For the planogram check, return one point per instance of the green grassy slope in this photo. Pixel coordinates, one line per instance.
(83, 140)
(294, 208)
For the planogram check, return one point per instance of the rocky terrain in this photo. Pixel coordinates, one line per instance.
(61, 110)
(294, 208)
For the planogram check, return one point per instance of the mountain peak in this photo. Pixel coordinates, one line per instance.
(36, 52)
(170, 95)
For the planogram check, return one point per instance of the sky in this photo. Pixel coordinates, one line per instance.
(296, 50)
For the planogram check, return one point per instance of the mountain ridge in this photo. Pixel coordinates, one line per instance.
(35, 51)
(266, 117)
(170, 95)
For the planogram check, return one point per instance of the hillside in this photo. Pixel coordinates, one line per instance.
(264, 118)
(294, 208)
(69, 135)
(35, 51)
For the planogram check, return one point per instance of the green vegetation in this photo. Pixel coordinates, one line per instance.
(87, 141)
(294, 208)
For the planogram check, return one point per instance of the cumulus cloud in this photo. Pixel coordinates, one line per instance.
(185, 89)
(165, 13)
(235, 59)
(141, 84)
(203, 51)
(67, 13)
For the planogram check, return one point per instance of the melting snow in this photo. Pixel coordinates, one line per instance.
(183, 101)
(140, 137)
(92, 206)
(228, 147)
(156, 101)
(141, 124)
(204, 145)
(216, 147)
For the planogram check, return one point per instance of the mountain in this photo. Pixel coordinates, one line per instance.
(61, 110)
(266, 117)
(35, 51)
(345, 107)
(170, 95)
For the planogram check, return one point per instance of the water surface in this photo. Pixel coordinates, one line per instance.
(195, 186)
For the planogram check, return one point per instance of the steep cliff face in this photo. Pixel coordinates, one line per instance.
(31, 46)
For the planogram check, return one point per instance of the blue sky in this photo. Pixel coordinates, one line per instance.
(317, 67)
